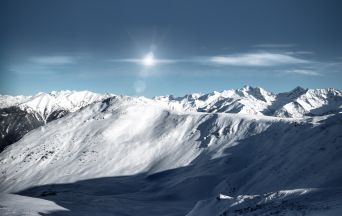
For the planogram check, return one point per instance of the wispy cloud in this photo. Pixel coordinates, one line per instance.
(306, 72)
(300, 52)
(274, 45)
(52, 60)
(141, 61)
(284, 62)
(241, 59)
(258, 59)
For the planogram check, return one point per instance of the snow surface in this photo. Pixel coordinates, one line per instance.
(16, 205)
(122, 136)
(138, 156)
(287, 202)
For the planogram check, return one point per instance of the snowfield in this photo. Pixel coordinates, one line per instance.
(237, 152)
(20, 205)
(287, 202)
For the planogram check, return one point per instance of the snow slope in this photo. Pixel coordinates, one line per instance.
(15, 123)
(20, 205)
(21, 114)
(286, 202)
(130, 156)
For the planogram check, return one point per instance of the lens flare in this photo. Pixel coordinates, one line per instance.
(149, 60)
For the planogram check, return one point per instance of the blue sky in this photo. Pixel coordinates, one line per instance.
(197, 46)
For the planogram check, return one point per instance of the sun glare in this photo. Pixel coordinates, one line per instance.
(149, 60)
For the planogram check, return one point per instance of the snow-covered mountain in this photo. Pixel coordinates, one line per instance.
(49, 104)
(173, 156)
(297, 103)
(21, 114)
(8, 100)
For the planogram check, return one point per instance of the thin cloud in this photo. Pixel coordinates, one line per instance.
(52, 60)
(141, 61)
(274, 45)
(244, 59)
(306, 72)
(300, 53)
(258, 59)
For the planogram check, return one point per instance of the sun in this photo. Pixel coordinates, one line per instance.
(149, 60)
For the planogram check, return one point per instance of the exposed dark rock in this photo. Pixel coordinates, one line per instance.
(15, 123)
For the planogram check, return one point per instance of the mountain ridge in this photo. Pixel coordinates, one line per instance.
(41, 108)
(296, 103)
(247, 100)
(151, 159)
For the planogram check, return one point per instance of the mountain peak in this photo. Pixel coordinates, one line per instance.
(298, 88)
(246, 88)
(296, 92)
(256, 92)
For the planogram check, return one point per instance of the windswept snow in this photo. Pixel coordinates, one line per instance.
(16, 205)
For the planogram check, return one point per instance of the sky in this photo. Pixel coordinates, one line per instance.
(160, 47)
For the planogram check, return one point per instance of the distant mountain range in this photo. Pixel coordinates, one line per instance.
(297, 103)
(20, 114)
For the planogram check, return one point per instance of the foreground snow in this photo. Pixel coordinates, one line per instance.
(326, 202)
(311, 202)
(16, 205)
